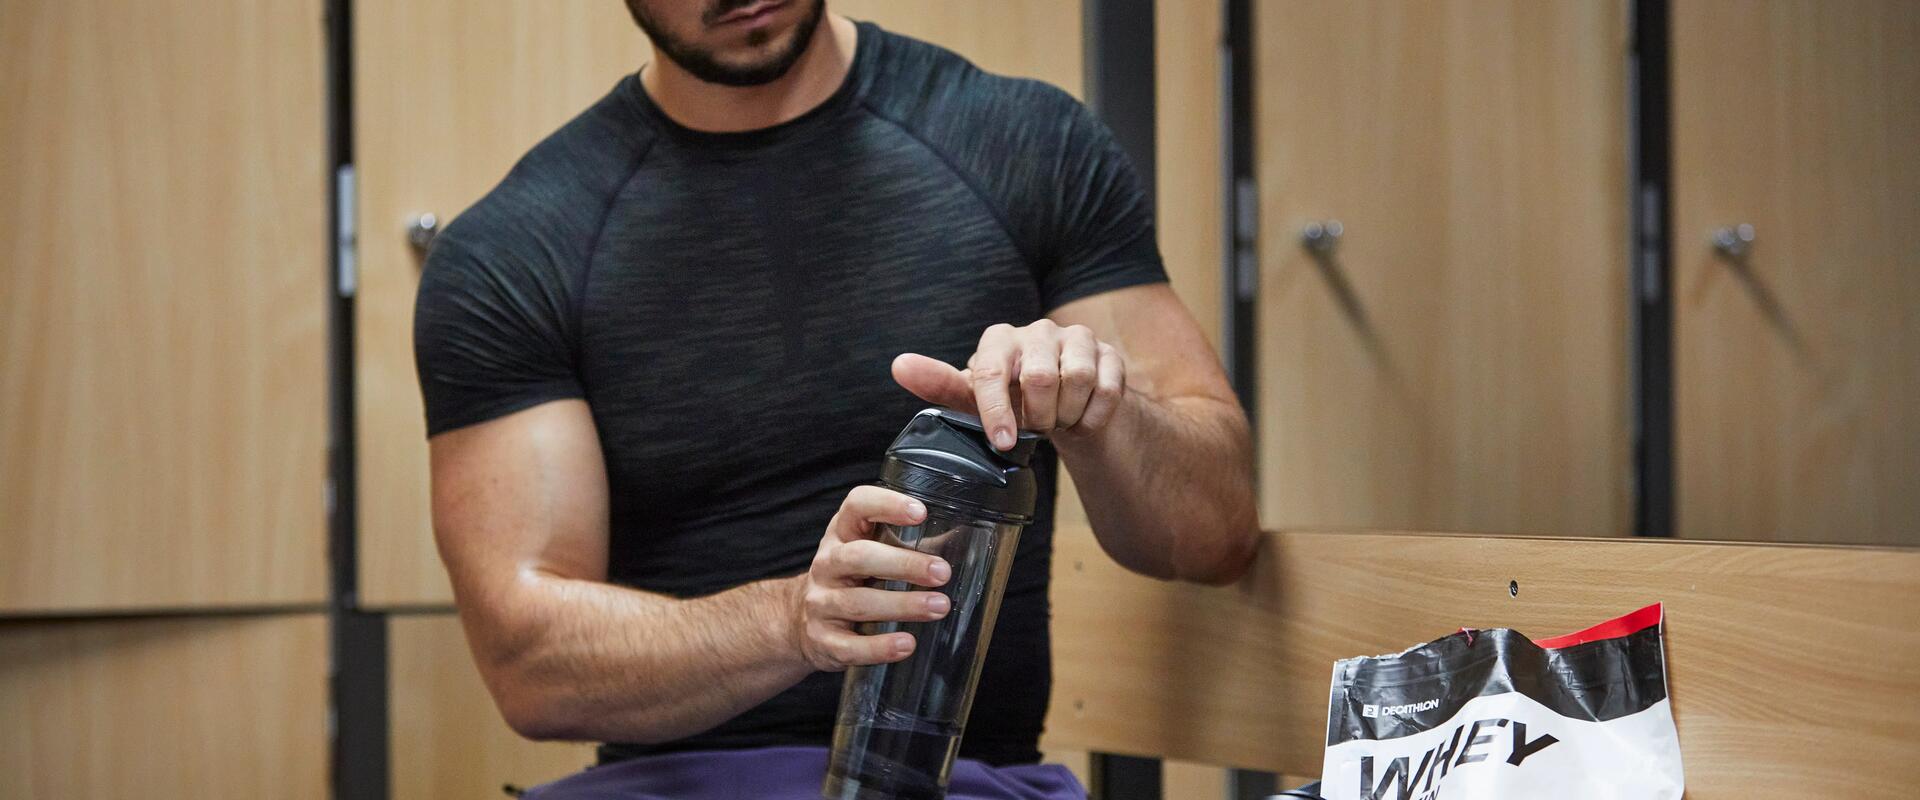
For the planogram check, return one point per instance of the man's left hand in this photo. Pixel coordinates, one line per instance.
(1041, 377)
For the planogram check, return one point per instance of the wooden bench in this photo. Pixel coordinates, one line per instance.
(1793, 668)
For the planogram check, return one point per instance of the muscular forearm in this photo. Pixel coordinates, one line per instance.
(584, 660)
(1168, 486)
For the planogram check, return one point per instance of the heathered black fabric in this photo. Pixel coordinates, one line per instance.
(729, 305)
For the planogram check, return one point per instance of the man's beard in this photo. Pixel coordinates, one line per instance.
(701, 62)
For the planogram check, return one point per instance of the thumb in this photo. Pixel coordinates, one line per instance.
(934, 381)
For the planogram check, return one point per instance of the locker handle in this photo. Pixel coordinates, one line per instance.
(1733, 242)
(421, 231)
(1321, 239)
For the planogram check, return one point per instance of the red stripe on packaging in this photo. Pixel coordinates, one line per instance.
(1611, 629)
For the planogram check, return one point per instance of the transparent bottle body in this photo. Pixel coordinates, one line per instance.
(900, 724)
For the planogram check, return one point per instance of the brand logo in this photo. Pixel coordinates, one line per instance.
(1371, 710)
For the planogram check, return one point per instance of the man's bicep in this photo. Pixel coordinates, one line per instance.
(1166, 353)
(521, 494)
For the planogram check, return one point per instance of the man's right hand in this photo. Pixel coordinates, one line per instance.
(834, 596)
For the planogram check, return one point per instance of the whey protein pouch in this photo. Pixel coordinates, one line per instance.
(1492, 715)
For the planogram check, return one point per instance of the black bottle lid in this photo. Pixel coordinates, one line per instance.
(943, 457)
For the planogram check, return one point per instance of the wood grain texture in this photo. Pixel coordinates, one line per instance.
(1794, 669)
(448, 739)
(162, 304)
(1029, 38)
(1187, 155)
(231, 707)
(1459, 364)
(1796, 370)
(448, 96)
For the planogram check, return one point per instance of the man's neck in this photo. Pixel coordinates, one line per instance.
(712, 107)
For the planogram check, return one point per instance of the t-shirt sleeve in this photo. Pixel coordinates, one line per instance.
(490, 336)
(1103, 237)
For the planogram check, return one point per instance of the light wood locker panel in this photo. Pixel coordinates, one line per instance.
(1459, 363)
(1030, 38)
(1187, 176)
(1797, 371)
(207, 707)
(162, 304)
(448, 95)
(1187, 780)
(449, 740)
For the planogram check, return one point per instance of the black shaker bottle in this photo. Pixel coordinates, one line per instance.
(899, 726)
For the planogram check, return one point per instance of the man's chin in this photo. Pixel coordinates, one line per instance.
(755, 64)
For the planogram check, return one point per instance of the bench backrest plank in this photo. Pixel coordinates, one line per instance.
(1792, 668)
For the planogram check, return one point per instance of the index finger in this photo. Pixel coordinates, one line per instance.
(866, 505)
(991, 369)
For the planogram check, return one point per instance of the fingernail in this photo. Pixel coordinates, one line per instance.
(940, 571)
(902, 645)
(937, 604)
(1003, 439)
(915, 509)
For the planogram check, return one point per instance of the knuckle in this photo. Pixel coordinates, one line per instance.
(1079, 374)
(843, 557)
(989, 373)
(1040, 376)
(1107, 390)
(1078, 331)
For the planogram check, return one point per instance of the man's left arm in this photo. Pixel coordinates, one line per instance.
(1136, 402)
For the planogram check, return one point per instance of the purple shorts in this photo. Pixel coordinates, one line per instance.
(784, 773)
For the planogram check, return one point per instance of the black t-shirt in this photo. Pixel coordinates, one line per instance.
(728, 304)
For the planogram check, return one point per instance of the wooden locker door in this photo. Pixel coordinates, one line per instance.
(1797, 374)
(163, 274)
(1458, 362)
(1030, 38)
(205, 707)
(1187, 208)
(448, 95)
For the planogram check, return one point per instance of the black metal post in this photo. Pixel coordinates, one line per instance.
(1119, 65)
(1251, 785)
(1240, 201)
(1651, 184)
(1124, 778)
(357, 674)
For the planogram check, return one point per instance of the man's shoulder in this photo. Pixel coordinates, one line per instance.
(923, 84)
(538, 203)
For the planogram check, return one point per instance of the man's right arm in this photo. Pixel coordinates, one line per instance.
(521, 518)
